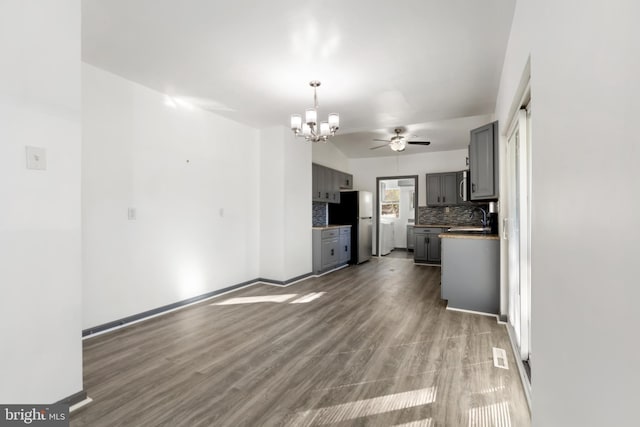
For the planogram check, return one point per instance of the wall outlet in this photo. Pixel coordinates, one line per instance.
(446, 209)
(36, 158)
(131, 214)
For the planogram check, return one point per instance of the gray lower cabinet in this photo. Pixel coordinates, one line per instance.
(471, 274)
(411, 238)
(427, 245)
(483, 162)
(331, 248)
(345, 245)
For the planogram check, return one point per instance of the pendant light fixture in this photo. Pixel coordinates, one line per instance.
(310, 129)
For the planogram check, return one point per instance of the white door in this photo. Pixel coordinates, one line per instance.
(517, 233)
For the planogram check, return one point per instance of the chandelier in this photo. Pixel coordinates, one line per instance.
(310, 129)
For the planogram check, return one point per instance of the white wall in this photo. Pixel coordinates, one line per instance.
(285, 205)
(327, 154)
(298, 207)
(192, 177)
(366, 170)
(40, 261)
(586, 198)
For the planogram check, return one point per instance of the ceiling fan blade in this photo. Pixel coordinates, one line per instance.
(381, 140)
(419, 142)
(379, 146)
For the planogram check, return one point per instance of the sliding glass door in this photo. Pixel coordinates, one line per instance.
(517, 232)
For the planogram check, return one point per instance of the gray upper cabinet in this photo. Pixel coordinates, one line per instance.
(442, 189)
(315, 179)
(336, 178)
(483, 162)
(346, 181)
(327, 182)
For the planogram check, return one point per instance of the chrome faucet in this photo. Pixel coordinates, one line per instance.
(484, 215)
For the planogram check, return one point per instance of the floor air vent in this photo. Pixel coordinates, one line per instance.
(500, 358)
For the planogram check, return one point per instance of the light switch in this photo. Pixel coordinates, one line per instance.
(36, 158)
(131, 214)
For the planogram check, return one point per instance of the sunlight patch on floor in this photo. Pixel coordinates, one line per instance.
(366, 407)
(308, 298)
(272, 298)
(496, 415)
(420, 423)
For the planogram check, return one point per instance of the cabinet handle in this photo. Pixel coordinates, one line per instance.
(460, 191)
(443, 199)
(427, 240)
(345, 248)
(473, 188)
(319, 194)
(327, 195)
(438, 199)
(331, 252)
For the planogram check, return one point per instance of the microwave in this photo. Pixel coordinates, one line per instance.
(464, 187)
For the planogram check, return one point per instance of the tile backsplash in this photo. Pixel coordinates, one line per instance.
(457, 215)
(320, 214)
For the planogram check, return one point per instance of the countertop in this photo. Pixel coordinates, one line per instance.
(462, 235)
(432, 225)
(329, 227)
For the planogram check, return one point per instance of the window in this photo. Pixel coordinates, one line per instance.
(390, 206)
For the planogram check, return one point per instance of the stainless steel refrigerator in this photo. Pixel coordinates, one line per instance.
(355, 209)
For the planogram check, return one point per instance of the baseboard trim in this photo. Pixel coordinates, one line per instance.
(73, 399)
(481, 313)
(524, 379)
(164, 309)
(285, 282)
(149, 314)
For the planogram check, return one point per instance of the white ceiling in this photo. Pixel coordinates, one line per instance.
(432, 66)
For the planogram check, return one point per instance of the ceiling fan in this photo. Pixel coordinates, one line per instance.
(398, 142)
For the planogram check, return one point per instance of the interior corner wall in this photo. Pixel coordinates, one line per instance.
(40, 237)
(285, 205)
(191, 179)
(327, 154)
(584, 89)
(298, 211)
(272, 203)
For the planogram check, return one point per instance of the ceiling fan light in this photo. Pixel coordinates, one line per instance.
(311, 116)
(296, 122)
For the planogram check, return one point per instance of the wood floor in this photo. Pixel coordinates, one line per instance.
(373, 346)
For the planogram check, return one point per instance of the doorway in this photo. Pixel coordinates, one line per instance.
(517, 231)
(396, 207)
